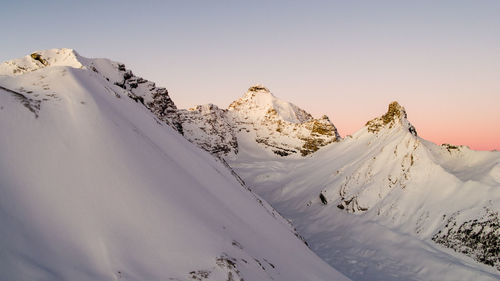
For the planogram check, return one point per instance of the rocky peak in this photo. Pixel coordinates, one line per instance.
(259, 103)
(394, 117)
(256, 96)
(276, 125)
(394, 112)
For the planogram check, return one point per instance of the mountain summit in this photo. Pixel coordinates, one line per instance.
(97, 183)
(388, 200)
(154, 98)
(258, 118)
(258, 103)
(395, 116)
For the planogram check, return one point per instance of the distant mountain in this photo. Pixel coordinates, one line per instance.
(96, 172)
(97, 183)
(276, 125)
(385, 204)
(443, 195)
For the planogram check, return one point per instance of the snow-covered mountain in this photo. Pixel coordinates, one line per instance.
(407, 189)
(279, 127)
(385, 204)
(156, 99)
(97, 183)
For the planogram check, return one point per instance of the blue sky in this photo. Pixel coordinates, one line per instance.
(346, 59)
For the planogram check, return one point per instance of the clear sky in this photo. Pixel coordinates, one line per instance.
(346, 59)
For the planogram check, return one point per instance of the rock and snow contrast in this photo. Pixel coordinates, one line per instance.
(385, 204)
(259, 117)
(102, 178)
(97, 183)
(141, 90)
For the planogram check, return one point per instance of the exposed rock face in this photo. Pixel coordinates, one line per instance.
(396, 115)
(39, 58)
(478, 238)
(322, 133)
(208, 127)
(156, 99)
(279, 126)
(164, 108)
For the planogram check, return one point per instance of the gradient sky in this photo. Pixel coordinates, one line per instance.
(346, 59)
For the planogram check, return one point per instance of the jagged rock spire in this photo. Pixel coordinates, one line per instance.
(395, 115)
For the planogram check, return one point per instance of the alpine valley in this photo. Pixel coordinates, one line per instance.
(102, 177)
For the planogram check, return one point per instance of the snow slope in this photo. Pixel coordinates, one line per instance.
(384, 204)
(97, 185)
(156, 99)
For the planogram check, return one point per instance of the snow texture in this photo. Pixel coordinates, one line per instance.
(385, 204)
(281, 128)
(97, 186)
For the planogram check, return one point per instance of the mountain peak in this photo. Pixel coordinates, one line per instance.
(114, 75)
(42, 59)
(395, 115)
(259, 94)
(258, 102)
(259, 88)
(394, 112)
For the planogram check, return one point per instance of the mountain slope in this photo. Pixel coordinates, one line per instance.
(279, 127)
(156, 99)
(382, 203)
(96, 186)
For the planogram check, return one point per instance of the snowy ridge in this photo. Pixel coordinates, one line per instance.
(279, 127)
(380, 204)
(42, 59)
(97, 183)
(141, 90)
(95, 187)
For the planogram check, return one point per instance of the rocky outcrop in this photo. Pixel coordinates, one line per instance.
(395, 116)
(280, 126)
(39, 58)
(156, 99)
(208, 127)
(478, 238)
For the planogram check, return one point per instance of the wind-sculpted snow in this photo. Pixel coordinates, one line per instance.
(384, 204)
(97, 187)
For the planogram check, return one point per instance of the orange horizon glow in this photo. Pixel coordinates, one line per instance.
(345, 59)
